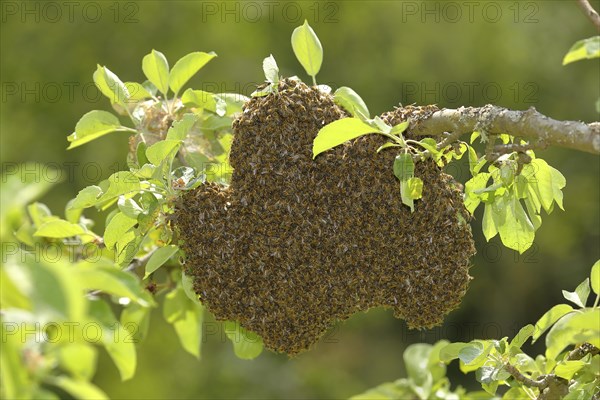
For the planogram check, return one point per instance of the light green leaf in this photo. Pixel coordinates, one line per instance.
(571, 329)
(186, 67)
(516, 230)
(186, 317)
(59, 228)
(400, 128)
(488, 223)
(404, 166)
(521, 337)
(387, 145)
(308, 49)
(411, 189)
(120, 183)
(477, 182)
(451, 351)
(79, 359)
(583, 49)
(136, 320)
(205, 100)
(156, 69)
(567, 369)
(543, 181)
(129, 207)
(111, 280)
(159, 257)
(558, 183)
(469, 353)
(116, 340)
(87, 197)
(188, 287)
(79, 389)
(246, 345)
(111, 86)
(351, 102)
(163, 150)
(595, 277)
(580, 295)
(116, 228)
(93, 125)
(180, 129)
(549, 318)
(271, 70)
(233, 102)
(338, 132)
(15, 377)
(416, 362)
(137, 91)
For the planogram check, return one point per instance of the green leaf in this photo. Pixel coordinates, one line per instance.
(93, 125)
(129, 207)
(188, 287)
(111, 86)
(476, 183)
(120, 183)
(411, 189)
(521, 337)
(451, 351)
(156, 69)
(159, 257)
(488, 223)
(116, 340)
(79, 389)
(549, 318)
(136, 319)
(163, 150)
(50, 287)
(186, 317)
(469, 353)
(308, 49)
(271, 70)
(205, 100)
(59, 228)
(111, 280)
(400, 128)
(15, 377)
(416, 362)
(595, 277)
(79, 359)
(137, 91)
(351, 102)
(338, 132)
(516, 230)
(387, 145)
(580, 295)
(246, 345)
(583, 49)
(186, 67)
(116, 228)
(571, 329)
(180, 129)
(567, 369)
(87, 197)
(404, 166)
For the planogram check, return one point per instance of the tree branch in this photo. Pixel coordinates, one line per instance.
(590, 12)
(529, 124)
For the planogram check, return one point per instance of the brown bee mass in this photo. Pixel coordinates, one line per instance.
(295, 244)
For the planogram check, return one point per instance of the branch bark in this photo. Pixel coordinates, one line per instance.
(531, 125)
(590, 13)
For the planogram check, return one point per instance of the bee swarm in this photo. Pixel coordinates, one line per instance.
(295, 244)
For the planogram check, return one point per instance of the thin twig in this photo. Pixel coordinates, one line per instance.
(590, 12)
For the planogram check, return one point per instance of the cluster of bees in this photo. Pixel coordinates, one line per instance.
(295, 244)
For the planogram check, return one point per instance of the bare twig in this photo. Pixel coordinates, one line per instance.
(529, 124)
(590, 13)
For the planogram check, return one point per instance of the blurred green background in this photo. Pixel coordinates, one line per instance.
(450, 53)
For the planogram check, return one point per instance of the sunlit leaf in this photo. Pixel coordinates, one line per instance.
(349, 100)
(338, 132)
(246, 345)
(307, 48)
(159, 257)
(583, 49)
(580, 295)
(156, 69)
(93, 125)
(186, 67)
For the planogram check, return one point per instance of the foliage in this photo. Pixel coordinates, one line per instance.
(569, 368)
(67, 289)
